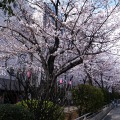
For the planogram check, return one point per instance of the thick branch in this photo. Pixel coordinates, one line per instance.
(69, 65)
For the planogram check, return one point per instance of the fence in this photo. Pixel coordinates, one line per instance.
(84, 117)
(97, 116)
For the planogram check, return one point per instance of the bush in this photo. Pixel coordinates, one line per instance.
(107, 96)
(44, 110)
(13, 112)
(87, 98)
(29, 104)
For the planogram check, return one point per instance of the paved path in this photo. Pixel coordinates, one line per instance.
(71, 108)
(113, 114)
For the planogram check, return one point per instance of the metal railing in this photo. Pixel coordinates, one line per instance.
(96, 115)
(84, 117)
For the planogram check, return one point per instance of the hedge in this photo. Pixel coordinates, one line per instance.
(14, 112)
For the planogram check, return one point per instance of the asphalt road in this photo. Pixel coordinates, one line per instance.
(114, 114)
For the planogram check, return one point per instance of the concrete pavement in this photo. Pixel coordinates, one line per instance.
(114, 114)
(69, 109)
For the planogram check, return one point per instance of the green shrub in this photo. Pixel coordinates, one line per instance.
(29, 104)
(107, 96)
(13, 112)
(44, 110)
(87, 98)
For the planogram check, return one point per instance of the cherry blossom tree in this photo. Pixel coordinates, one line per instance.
(59, 35)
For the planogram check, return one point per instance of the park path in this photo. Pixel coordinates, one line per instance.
(114, 114)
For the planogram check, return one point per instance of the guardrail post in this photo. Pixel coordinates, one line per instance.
(85, 118)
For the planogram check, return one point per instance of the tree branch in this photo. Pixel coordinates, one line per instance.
(69, 65)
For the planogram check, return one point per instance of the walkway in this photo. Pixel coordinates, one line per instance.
(113, 114)
(68, 109)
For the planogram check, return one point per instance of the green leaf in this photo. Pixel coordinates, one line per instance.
(10, 11)
(9, 1)
(4, 1)
(1, 4)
